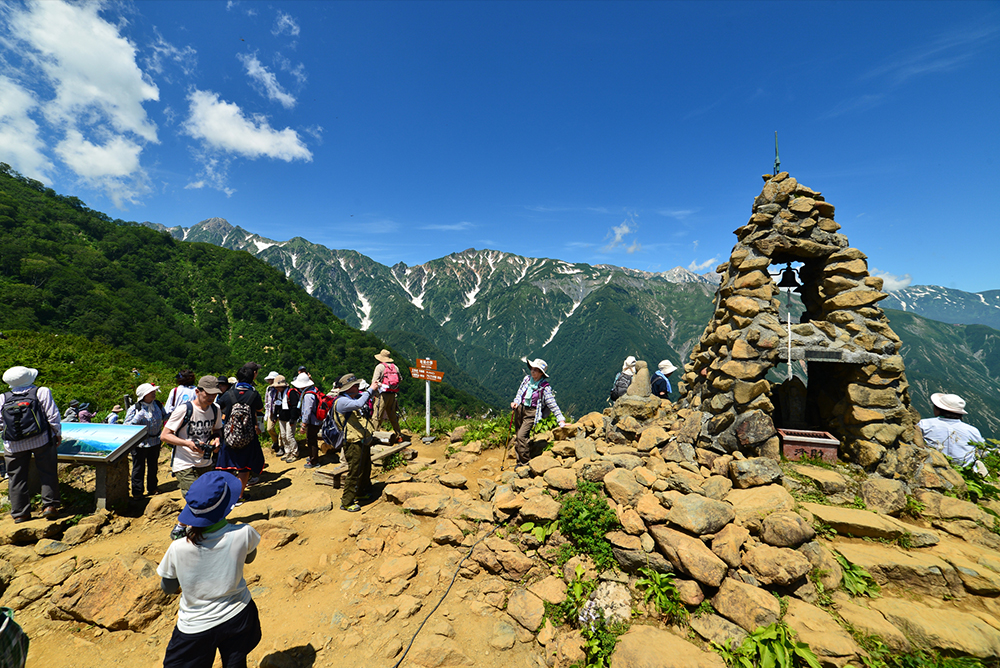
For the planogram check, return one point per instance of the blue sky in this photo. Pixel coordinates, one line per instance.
(624, 133)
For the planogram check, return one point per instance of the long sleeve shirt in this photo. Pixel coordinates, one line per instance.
(48, 404)
(547, 399)
(951, 436)
(309, 406)
(150, 415)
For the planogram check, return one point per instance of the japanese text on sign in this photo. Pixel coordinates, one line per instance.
(427, 374)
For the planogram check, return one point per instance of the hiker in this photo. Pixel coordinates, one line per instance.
(85, 413)
(387, 373)
(358, 447)
(661, 379)
(72, 413)
(240, 453)
(534, 399)
(216, 611)
(146, 453)
(225, 383)
(193, 428)
(310, 423)
(946, 431)
(112, 417)
(622, 379)
(31, 428)
(286, 416)
(270, 412)
(184, 391)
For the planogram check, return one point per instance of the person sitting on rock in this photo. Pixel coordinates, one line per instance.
(661, 379)
(533, 401)
(946, 431)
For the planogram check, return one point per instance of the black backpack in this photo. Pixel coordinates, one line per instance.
(23, 416)
(331, 431)
(622, 381)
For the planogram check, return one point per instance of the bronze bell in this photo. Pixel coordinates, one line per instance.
(788, 278)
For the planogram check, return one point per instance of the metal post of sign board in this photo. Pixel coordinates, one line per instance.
(426, 370)
(427, 394)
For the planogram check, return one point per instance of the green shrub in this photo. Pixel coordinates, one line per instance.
(584, 519)
(660, 588)
(857, 580)
(769, 647)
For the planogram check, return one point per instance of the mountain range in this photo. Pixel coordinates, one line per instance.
(482, 312)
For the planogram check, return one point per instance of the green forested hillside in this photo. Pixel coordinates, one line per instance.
(66, 269)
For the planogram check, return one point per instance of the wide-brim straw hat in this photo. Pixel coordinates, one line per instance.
(540, 364)
(302, 381)
(667, 367)
(271, 376)
(19, 376)
(384, 357)
(951, 403)
(116, 409)
(145, 389)
(279, 381)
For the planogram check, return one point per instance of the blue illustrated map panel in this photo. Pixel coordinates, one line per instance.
(97, 440)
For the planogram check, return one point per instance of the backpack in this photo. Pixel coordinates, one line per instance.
(331, 431)
(23, 416)
(324, 404)
(241, 427)
(390, 376)
(620, 387)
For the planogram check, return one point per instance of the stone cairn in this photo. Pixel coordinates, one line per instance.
(859, 392)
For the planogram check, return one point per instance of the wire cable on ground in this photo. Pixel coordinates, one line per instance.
(445, 594)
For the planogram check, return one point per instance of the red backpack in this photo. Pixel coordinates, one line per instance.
(324, 404)
(390, 376)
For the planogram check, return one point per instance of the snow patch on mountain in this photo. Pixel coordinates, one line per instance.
(366, 312)
(262, 245)
(470, 296)
(553, 334)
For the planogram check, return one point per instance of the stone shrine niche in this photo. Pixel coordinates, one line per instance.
(856, 386)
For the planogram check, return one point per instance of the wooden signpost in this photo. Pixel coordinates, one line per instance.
(427, 370)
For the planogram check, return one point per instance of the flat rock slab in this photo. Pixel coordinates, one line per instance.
(817, 628)
(115, 596)
(526, 608)
(859, 523)
(290, 505)
(398, 567)
(942, 628)
(873, 623)
(649, 647)
(746, 605)
(829, 482)
(714, 628)
(911, 570)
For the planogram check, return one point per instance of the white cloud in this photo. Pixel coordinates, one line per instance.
(91, 66)
(163, 52)
(698, 267)
(112, 166)
(891, 282)
(285, 25)
(297, 71)
(453, 227)
(617, 234)
(223, 126)
(679, 214)
(214, 174)
(636, 246)
(265, 82)
(20, 144)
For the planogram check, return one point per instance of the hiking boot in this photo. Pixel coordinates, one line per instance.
(353, 508)
(290, 459)
(178, 532)
(254, 480)
(50, 512)
(22, 518)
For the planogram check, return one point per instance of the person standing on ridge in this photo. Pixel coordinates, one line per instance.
(72, 413)
(31, 428)
(271, 395)
(146, 454)
(310, 423)
(248, 458)
(533, 401)
(387, 373)
(661, 380)
(946, 431)
(184, 391)
(112, 417)
(216, 611)
(358, 445)
(193, 429)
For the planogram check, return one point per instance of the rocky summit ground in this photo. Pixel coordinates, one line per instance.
(750, 542)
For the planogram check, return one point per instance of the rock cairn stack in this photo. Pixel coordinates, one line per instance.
(858, 388)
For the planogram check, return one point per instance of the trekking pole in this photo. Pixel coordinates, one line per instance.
(506, 440)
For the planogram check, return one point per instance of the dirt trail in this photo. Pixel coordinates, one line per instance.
(320, 600)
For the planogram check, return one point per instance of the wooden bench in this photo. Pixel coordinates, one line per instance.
(332, 476)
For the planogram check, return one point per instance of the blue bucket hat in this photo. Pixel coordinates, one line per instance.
(210, 499)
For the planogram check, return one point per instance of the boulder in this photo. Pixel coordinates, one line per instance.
(552, 589)
(541, 508)
(776, 565)
(397, 567)
(526, 608)
(727, 544)
(400, 492)
(829, 482)
(453, 480)
(447, 533)
(746, 605)
(832, 645)
(689, 555)
(717, 629)
(559, 478)
(622, 486)
(823, 562)
(754, 472)
(786, 529)
(118, 595)
(700, 515)
(542, 463)
(754, 504)
(859, 523)
(943, 629)
(648, 647)
(884, 496)
(651, 510)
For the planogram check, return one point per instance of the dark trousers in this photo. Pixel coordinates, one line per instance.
(312, 442)
(524, 420)
(359, 471)
(144, 464)
(234, 639)
(18, 464)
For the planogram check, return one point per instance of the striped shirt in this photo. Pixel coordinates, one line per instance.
(547, 399)
(44, 396)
